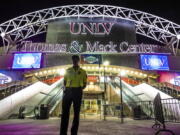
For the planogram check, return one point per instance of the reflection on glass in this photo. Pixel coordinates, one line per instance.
(92, 106)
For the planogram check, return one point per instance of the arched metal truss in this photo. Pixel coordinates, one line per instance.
(34, 23)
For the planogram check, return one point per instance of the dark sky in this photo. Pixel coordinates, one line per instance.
(168, 9)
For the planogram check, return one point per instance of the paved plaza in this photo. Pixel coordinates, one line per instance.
(87, 127)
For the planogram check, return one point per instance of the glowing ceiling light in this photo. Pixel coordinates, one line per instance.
(132, 72)
(136, 73)
(178, 36)
(145, 75)
(127, 71)
(36, 74)
(123, 73)
(45, 72)
(91, 83)
(49, 71)
(62, 71)
(109, 68)
(106, 63)
(3, 34)
(40, 73)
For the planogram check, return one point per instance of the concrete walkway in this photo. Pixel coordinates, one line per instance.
(87, 127)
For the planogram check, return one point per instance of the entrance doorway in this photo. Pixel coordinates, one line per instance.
(91, 108)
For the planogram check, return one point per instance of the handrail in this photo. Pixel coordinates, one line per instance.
(11, 90)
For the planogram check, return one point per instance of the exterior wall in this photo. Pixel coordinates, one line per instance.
(120, 60)
(174, 63)
(115, 59)
(6, 61)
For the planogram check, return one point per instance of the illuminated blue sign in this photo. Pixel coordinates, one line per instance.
(5, 79)
(26, 60)
(154, 62)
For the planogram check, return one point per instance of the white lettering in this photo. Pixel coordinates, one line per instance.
(77, 28)
(95, 46)
(72, 28)
(90, 47)
(123, 47)
(87, 28)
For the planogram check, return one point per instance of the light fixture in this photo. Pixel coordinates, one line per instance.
(36, 74)
(145, 75)
(3, 34)
(178, 36)
(132, 72)
(62, 71)
(54, 70)
(106, 63)
(49, 71)
(45, 72)
(102, 78)
(91, 83)
(40, 73)
(123, 73)
(127, 71)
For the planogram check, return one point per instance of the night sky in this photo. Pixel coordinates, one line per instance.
(163, 8)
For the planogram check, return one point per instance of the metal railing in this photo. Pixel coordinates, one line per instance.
(113, 110)
(170, 89)
(52, 102)
(11, 89)
(171, 109)
(51, 99)
(145, 110)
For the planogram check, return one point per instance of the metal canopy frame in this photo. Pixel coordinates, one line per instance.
(34, 23)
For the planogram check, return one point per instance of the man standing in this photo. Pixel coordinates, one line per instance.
(75, 81)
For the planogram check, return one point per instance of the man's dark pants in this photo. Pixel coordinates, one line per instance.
(71, 95)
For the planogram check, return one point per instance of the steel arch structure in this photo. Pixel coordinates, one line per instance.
(34, 23)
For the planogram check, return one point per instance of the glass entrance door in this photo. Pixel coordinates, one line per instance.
(91, 107)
